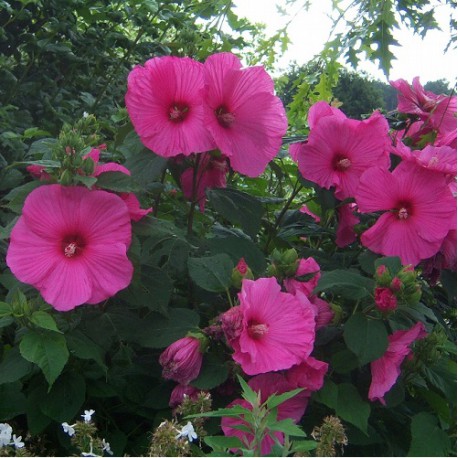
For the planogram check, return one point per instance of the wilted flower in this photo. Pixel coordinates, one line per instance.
(71, 243)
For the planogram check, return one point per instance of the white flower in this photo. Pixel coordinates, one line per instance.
(17, 441)
(88, 415)
(106, 447)
(5, 434)
(69, 429)
(85, 114)
(187, 430)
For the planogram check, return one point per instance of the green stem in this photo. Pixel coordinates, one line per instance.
(193, 195)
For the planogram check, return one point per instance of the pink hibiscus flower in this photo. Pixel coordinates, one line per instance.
(386, 370)
(70, 243)
(164, 103)
(307, 211)
(419, 211)
(277, 329)
(438, 110)
(266, 385)
(245, 118)
(345, 233)
(340, 149)
(211, 173)
(305, 267)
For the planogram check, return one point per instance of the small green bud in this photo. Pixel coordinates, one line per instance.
(88, 166)
(240, 271)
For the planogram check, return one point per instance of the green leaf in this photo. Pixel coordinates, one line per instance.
(83, 347)
(276, 399)
(65, 399)
(351, 407)
(145, 166)
(159, 331)
(14, 366)
(392, 262)
(5, 309)
(347, 283)
(44, 320)
(212, 273)
(86, 180)
(304, 446)
(287, 426)
(17, 196)
(238, 208)
(212, 374)
(427, 438)
(222, 442)
(238, 247)
(48, 350)
(116, 181)
(13, 402)
(366, 338)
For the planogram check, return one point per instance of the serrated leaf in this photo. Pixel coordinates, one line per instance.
(48, 350)
(277, 399)
(222, 442)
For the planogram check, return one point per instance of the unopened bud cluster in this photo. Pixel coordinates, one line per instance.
(393, 290)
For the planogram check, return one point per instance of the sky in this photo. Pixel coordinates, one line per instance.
(309, 30)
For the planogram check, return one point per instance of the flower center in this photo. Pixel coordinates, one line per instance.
(403, 213)
(342, 163)
(178, 112)
(257, 330)
(72, 246)
(224, 116)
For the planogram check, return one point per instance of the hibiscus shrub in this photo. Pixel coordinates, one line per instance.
(202, 284)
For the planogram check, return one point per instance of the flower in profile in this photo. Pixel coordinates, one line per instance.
(182, 360)
(180, 392)
(277, 330)
(17, 441)
(345, 233)
(266, 385)
(305, 279)
(211, 173)
(245, 118)
(439, 110)
(323, 312)
(340, 149)
(419, 211)
(385, 300)
(164, 103)
(187, 431)
(386, 370)
(70, 243)
(68, 429)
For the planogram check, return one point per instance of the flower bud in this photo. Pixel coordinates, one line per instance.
(241, 271)
(232, 323)
(396, 284)
(179, 393)
(382, 275)
(385, 299)
(182, 360)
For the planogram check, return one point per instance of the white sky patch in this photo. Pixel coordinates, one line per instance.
(309, 31)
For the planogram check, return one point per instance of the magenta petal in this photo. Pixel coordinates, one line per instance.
(109, 270)
(29, 256)
(67, 285)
